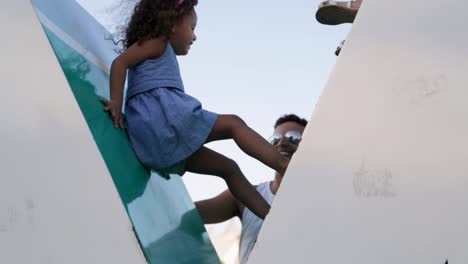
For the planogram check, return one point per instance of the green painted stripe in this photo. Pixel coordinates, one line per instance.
(161, 210)
(89, 55)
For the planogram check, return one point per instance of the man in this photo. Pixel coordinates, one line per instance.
(286, 138)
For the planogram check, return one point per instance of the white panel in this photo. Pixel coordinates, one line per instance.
(57, 200)
(382, 174)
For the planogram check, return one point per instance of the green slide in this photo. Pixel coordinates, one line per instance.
(164, 217)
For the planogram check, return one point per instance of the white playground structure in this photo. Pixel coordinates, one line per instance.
(381, 175)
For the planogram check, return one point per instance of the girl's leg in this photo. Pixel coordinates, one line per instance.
(232, 126)
(207, 161)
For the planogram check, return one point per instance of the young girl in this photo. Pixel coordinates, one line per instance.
(167, 128)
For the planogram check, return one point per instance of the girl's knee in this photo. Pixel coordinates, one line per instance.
(236, 121)
(229, 124)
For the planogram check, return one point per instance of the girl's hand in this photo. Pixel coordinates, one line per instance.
(115, 111)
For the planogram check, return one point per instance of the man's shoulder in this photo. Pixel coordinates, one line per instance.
(265, 184)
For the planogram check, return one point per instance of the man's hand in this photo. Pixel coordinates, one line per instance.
(115, 110)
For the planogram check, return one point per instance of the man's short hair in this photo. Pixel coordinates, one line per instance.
(290, 118)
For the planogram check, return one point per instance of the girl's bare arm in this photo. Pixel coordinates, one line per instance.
(135, 54)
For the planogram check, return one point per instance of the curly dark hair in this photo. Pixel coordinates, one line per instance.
(290, 118)
(154, 18)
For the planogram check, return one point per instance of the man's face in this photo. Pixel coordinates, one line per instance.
(289, 129)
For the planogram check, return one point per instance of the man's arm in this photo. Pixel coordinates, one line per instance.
(218, 209)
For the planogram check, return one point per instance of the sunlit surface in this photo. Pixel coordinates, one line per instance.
(164, 218)
(57, 201)
(381, 175)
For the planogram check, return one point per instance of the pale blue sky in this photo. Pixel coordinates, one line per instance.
(257, 59)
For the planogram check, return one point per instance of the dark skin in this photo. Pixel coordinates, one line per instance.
(181, 39)
(225, 206)
(204, 160)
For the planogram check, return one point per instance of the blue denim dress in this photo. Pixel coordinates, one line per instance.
(164, 124)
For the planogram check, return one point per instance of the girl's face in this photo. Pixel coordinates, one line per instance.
(183, 34)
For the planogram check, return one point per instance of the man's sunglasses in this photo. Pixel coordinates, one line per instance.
(292, 136)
